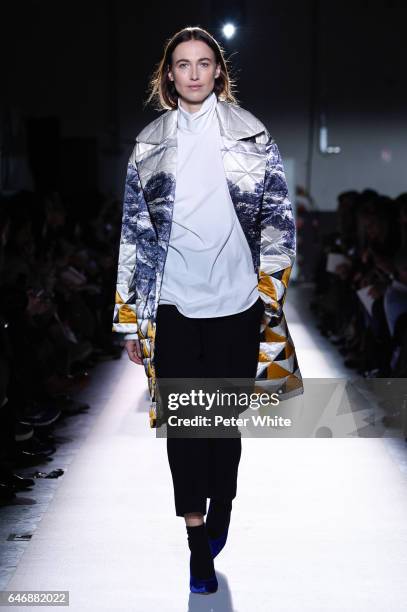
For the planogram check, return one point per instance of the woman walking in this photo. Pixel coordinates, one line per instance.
(207, 245)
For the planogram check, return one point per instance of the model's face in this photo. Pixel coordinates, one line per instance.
(193, 72)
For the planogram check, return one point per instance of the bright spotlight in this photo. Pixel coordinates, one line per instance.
(229, 30)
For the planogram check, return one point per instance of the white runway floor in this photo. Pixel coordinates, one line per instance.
(317, 524)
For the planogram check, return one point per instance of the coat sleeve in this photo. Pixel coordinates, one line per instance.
(278, 242)
(124, 316)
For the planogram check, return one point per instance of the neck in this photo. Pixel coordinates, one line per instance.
(191, 107)
(194, 122)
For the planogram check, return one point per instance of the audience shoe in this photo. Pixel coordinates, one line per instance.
(27, 459)
(35, 445)
(40, 417)
(22, 431)
(16, 482)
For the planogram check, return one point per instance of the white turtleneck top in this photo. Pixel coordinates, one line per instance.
(209, 269)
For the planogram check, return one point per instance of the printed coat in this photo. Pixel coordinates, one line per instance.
(257, 184)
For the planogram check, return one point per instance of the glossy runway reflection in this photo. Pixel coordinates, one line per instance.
(317, 525)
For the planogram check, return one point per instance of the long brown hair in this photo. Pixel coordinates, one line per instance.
(162, 91)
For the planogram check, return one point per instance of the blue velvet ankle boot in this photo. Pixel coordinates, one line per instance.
(217, 524)
(203, 586)
(216, 544)
(202, 571)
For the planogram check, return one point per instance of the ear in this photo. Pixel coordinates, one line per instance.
(217, 71)
(170, 75)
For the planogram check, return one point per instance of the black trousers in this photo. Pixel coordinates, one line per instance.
(214, 347)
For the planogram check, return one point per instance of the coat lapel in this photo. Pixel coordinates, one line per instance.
(157, 143)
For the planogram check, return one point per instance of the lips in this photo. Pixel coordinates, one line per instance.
(195, 86)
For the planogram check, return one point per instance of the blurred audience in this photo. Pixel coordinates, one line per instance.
(57, 275)
(361, 283)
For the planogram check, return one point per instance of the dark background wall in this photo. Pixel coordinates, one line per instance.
(87, 64)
